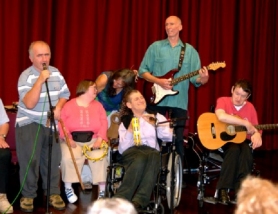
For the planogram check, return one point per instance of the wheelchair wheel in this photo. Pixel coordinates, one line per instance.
(151, 208)
(177, 181)
(114, 179)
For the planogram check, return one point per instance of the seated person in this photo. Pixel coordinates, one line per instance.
(257, 195)
(83, 114)
(141, 162)
(5, 160)
(238, 158)
(111, 86)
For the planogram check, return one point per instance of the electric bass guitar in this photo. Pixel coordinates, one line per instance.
(154, 93)
(213, 133)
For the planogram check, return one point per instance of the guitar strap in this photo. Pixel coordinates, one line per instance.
(181, 56)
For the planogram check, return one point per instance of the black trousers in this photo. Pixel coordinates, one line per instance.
(142, 164)
(5, 160)
(237, 164)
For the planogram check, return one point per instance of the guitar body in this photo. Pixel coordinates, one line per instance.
(154, 93)
(214, 134)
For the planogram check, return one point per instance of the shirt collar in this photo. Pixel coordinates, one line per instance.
(180, 43)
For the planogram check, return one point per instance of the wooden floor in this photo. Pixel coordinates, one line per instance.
(266, 162)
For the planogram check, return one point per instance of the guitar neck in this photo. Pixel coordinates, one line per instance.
(259, 127)
(184, 77)
(212, 66)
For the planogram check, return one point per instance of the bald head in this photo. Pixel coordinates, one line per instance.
(174, 19)
(173, 27)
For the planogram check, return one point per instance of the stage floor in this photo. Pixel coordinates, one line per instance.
(265, 162)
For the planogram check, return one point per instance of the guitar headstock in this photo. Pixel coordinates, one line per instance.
(215, 65)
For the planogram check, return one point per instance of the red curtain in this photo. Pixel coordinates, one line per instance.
(89, 36)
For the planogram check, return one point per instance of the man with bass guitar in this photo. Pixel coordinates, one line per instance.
(160, 58)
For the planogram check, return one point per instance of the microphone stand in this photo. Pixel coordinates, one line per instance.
(51, 120)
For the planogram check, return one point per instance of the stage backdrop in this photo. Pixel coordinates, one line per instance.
(89, 36)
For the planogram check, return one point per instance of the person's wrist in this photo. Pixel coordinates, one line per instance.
(3, 136)
(256, 132)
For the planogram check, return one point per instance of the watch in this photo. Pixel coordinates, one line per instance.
(3, 136)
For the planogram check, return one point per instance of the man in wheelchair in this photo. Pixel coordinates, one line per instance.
(139, 147)
(238, 158)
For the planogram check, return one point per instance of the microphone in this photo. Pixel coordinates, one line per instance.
(44, 66)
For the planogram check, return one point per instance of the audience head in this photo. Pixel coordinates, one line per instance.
(257, 196)
(112, 206)
(84, 86)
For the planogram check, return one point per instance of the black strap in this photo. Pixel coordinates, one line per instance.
(181, 56)
(82, 136)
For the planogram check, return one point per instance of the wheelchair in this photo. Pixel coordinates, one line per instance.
(169, 181)
(209, 168)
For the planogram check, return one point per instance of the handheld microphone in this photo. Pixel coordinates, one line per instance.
(44, 66)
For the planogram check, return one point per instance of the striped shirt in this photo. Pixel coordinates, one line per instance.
(57, 89)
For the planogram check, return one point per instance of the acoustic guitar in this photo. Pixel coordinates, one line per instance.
(154, 93)
(213, 133)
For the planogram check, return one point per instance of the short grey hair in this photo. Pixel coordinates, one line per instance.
(30, 50)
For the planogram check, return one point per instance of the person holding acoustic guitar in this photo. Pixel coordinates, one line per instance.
(238, 158)
(159, 59)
